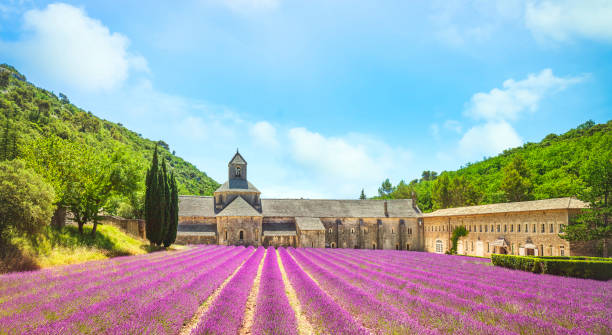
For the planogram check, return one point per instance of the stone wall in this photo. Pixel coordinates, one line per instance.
(197, 220)
(311, 238)
(195, 239)
(133, 227)
(229, 229)
(372, 233)
(534, 232)
(279, 241)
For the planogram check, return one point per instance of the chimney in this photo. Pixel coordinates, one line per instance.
(386, 210)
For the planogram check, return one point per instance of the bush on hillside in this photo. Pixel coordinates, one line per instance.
(580, 267)
(26, 201)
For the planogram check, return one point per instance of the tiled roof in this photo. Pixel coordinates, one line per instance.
(195, 233)
(193, 205)
(309, 223)
(279, 233)
(204, 206)
(238, 207)
(523, 206)
(197, 228)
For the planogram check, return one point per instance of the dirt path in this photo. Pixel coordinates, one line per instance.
(249, 312)
(304, 327)
(190, 326)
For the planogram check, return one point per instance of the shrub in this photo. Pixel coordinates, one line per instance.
(26, 201)
(580, 267)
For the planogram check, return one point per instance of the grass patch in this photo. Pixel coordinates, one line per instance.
(67, 246)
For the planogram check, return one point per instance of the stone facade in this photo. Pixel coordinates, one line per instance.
(237, 215)
(530, 231)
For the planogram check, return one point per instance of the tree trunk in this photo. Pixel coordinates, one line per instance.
(95, 226)
(80, 227)
(59, 217)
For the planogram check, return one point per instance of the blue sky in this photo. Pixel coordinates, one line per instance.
(323, 98)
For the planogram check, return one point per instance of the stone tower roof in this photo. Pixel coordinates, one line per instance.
(238, 159)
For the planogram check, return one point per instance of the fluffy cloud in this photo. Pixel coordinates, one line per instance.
(568, 19)
(488, 139)
(342, 161)
(516, 97)
(264, 134)
(70, 47)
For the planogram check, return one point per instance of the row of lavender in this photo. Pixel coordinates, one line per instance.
(407, 292)
(341, 291)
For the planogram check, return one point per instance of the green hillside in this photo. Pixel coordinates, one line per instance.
(32, 112)
(550, 168)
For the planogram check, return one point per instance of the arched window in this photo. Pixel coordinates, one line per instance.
(373, 246)
(333, 245)
(397, 247)
(439, 247)
(238, 171)
(353, 231)
(226, 234)
(330, 230)
(241, 235)
(407, 246)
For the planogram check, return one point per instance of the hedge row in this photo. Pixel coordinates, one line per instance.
(598, 268)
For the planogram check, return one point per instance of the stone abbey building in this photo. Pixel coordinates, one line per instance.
(237, 215)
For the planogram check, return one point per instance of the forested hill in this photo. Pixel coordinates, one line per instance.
(29, 112)
(551, 168)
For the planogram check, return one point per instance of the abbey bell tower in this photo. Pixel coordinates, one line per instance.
(236, 186)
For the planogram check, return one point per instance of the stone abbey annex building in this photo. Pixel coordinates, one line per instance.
(237, 215)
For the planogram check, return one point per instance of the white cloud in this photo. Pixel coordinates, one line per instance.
(569, 19)
(488, 139)
(516, 97)
(70, 47)
(347, 162)
(264, 134)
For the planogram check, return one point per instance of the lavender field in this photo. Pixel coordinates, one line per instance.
(237, 290)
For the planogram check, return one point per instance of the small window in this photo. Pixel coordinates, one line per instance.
(505, 228)
(407, 246)
(374, 246)
(439, 247)
(392, 231)
(534, 228)
(472, 245)
(543, 228)
(527, 228)
(238, 171)
(552, 228)
(498, 229)
(241, 237)
(491, 228)
(481, 228)
(487, 228)
(352, 231)
(512, 228)
(333, 245)
(518, 228)
(561, 250)
(397, 247)
(330, 230)
(488, 247)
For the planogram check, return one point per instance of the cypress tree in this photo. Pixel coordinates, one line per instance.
(164, 197)
(173, 222)
(151, 201)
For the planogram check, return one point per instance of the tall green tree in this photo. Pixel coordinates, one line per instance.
(384, 191)
(516, 183)
(593, 224)
(441, 192)
(84, 177)
(362, 196)
(173, 211)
